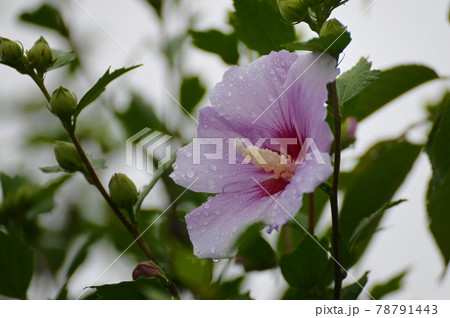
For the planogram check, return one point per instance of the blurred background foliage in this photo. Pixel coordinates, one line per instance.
(49, 245)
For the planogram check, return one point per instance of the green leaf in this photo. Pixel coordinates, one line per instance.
(214, 41)
(392, 285)
(254, 252)
(16, 266)
(360, 230)
(192, 272)
(290, 237)
(330, 44)
(308, 268)
(46, 16)
(191, 92)
(438, 198)
(260, 26)
(24, 199)
(352, 82)
(51, 169)
(392, 83)
(352, 291)
(100, 87)
(373, 182)
(156, 5)
(226, 290)
(150, 186)
(141, 289)
(140, 115)
(61, 58)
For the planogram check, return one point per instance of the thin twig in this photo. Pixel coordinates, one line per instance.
(132, 228)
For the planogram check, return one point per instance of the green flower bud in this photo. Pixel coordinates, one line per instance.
(40, 55)
(293, 11)
(332, 27)
(63, 103)
(10, 51)
(123, 191)
(67, 156)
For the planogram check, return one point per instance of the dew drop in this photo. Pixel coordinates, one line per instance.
(188, 154)
(215, 260)
(213, 167)
(241, 77)
(190, 173)
(212, 249)
(217, 212)
(271, 98)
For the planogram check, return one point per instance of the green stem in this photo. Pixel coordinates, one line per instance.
(132, 228)
(311, 213)
(334, 193)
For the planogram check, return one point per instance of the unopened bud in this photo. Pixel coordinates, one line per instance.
(40, 55)
(145, 270)
(293, 11)
(332, 27)
(123, 191)
(67, 156)
(63, 103)
(10, 51)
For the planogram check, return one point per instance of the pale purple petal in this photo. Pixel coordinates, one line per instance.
(214, 226)
(306, 88)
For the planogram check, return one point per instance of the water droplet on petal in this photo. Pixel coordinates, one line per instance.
(271, 98)
(190, 173)
(215, 260)
(217, 212)
(188, 154)
(212, 249)
(213, 167)
(229, 93)
(241, 77)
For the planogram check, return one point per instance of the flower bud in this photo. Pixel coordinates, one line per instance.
(40, 55)
(63, 103)
(293, 11)
(10, 51)
(332, 27)
(123, 191)
(67, 156)
(145, 270)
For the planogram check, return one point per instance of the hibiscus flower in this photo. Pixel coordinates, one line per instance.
(261, 145)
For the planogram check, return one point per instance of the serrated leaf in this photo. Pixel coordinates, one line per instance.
(374, 181)
(352, 82)
(100, 87)
(61, 58)
(141, 289)
(214, 41)
(330, 44)
(260, 26)
(379, 291)
(392, 83)
(191, 92)
(16, 266)
(438, 199)
(46, 16)
(353, 291)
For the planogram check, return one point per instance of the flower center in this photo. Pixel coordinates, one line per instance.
(271, 161)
